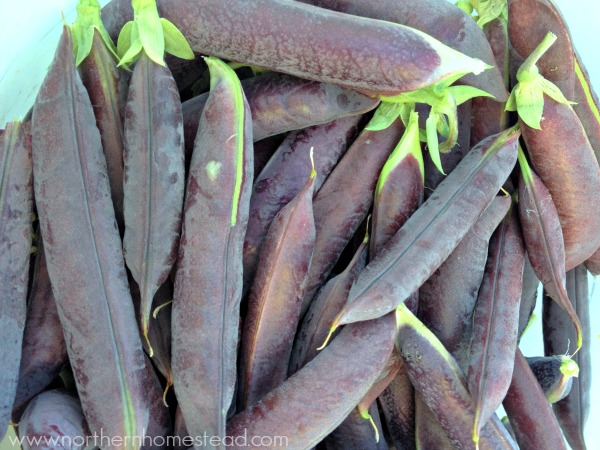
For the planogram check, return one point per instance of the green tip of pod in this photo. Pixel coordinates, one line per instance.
(87, 22)
(569, 367)
(155, 35)
(364, 413)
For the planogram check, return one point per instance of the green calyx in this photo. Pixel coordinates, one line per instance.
(88, 20)
(151, 33)
(443, 117)
(410, 144)
(527, 97)
(569, 367)
(485, 11)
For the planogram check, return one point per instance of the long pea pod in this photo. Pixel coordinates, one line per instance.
(438, 18)
(428, 431)
(344, 200)
(561, 155)
(543, 239)
(263, 150)
(84, 256)
(529, 296)
(573, 411)
(44, 350)
(437, 378)
(531, 416)
(208, 285)
(281, 103)
(496, 320)
(16, 203)
(154, 180)
(286, 173)
(107, 87)
(383, 57)
(275, 298)
(397, 402)
(317, 398)
(416, 251)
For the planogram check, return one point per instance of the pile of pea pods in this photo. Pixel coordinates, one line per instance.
(314, 224)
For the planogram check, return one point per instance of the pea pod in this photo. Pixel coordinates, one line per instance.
(416, 250)
(286, 173)
(275, 299)
(78, 226)
(281, 103)
(107, 87)
(356, 433)
(496, 320)
(44, 350)
(587, 106)
(397, 402)
(555, 375)
(530, 414)
(573, 411)
(310, 404)
(344, 200)
(437, 378)
(205, 312)
(387, 52)
(16, 202)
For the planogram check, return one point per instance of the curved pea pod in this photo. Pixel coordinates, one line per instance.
(543, 239)
(529, 295)
(587, 105)
(78, 226)
(383, 57)
(563, 158)
(530, 414)
(315, 400)
(397, 403)
(496, 321)
(572, 412)
(154, 180)
(439, 19)
(285, 174)
(281, 103)
(106, 85)
(449, 160)
(555, 375)
(16, 203)
(357, 433)
(528, 23)
(416, 250)
(489, 116)
(314, 328)
(439, 381)
(208, 285)
(275, 299)
(344, 200)
(44, 350)
(447, 299)
(54, 419)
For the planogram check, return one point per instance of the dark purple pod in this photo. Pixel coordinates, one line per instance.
(107, 87)
(555, 375)
(433, 231)
(587, 105)
(397, 402)
(530, 414)
(16, 203)
(344, 200)
(281, 103)
(573, 411)
(286, 173)
(314, 43)
(428, 431)
(264, 150)
(439, 19)
(44, 350)
(529, 294)
(357, 433)
(316, 399)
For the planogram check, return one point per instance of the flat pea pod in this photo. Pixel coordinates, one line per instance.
(208, 284)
